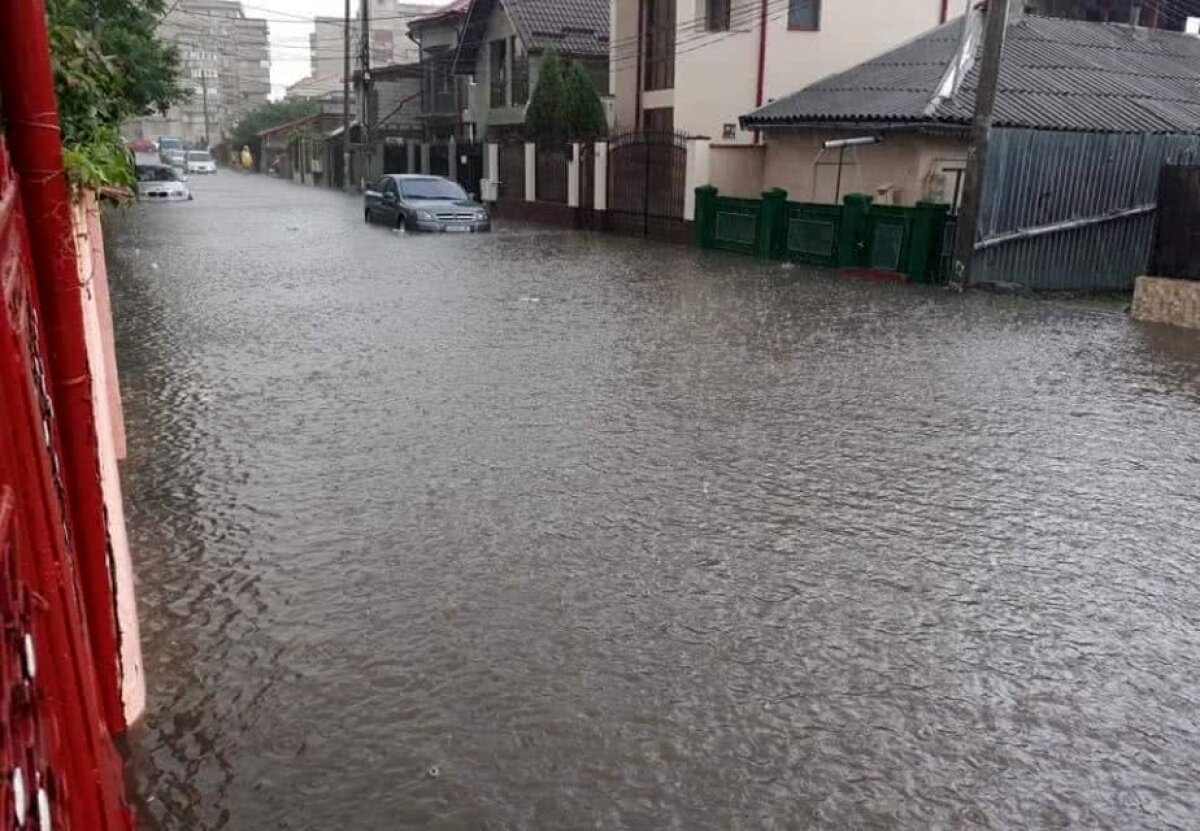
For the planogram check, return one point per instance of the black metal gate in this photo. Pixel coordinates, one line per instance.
(512, 170)
(439, 159)
(647, 178)
(395, 157)
(470, 167)
(551, 175)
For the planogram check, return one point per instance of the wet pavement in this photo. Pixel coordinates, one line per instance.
(545, 530)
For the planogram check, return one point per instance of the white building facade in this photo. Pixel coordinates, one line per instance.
(697, 65)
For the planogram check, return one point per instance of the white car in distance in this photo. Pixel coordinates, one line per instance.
(200, 161)
(160, 183)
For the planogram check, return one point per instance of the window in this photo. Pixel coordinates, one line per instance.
(804, 15)
(498, 64)
(432, 189)
(659, 120)
(520, 73)
(659, 52)
(598, 72)
(718, 15)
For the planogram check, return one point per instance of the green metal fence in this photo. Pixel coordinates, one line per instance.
(811, 234)
(855, 234)
(735, 224)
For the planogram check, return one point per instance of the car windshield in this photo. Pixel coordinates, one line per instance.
(199, 156)
(431, 189)
(156, 174)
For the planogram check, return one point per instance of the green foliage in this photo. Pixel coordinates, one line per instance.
(102, 162)
(565, 105)
(583, 111)
(108, 67)
(271, 114)
(545, 120)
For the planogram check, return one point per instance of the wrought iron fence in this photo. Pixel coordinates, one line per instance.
(647, 178)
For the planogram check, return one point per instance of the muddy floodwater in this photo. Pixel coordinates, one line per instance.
(548, 530)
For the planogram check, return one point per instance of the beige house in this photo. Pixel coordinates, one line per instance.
(1087, 114)
(500, 47)
(697, 65)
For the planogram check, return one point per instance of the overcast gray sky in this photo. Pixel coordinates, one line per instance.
(289, 34)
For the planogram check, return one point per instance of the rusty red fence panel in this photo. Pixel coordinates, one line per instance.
(60, 766)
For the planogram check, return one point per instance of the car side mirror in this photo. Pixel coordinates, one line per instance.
(389, 197)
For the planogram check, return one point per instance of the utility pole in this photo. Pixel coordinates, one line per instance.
(365, 99)
(204, 92)
(346, 104)
(995, 29)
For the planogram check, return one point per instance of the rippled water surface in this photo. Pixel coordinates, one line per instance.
(543, 530)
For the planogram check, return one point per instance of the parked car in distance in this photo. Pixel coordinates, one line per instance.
(160, 183)
(199, 161)
(424, 203)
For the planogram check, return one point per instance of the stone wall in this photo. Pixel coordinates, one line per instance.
(1164, 300)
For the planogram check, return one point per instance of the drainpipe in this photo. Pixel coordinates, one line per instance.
(762, 62)
(945, 11)
(31, 113)
(641, 35)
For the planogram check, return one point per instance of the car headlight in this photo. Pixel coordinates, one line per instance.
(425, 216)
(481, 216)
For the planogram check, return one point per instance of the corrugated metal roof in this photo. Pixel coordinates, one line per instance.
(1056, 74)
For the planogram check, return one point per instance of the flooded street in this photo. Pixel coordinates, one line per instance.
(547, 530)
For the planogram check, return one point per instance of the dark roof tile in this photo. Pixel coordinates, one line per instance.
(578, 28)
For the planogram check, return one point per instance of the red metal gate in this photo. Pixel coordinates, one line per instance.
(60, 766)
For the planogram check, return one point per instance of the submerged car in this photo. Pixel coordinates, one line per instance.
(160, 183)
(424, 203)
(199, 161)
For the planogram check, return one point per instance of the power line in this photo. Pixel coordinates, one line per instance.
(696, 39)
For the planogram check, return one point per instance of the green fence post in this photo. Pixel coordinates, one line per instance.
(853, 245)
(706, 217)
(771, 224)
(929, 220)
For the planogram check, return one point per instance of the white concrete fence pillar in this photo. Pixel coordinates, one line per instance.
(410, 149)
(573, 176)
(530, 172)
(452, 158)
(491, 161)
(698, 172)
(425, 157)
(600, 183)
